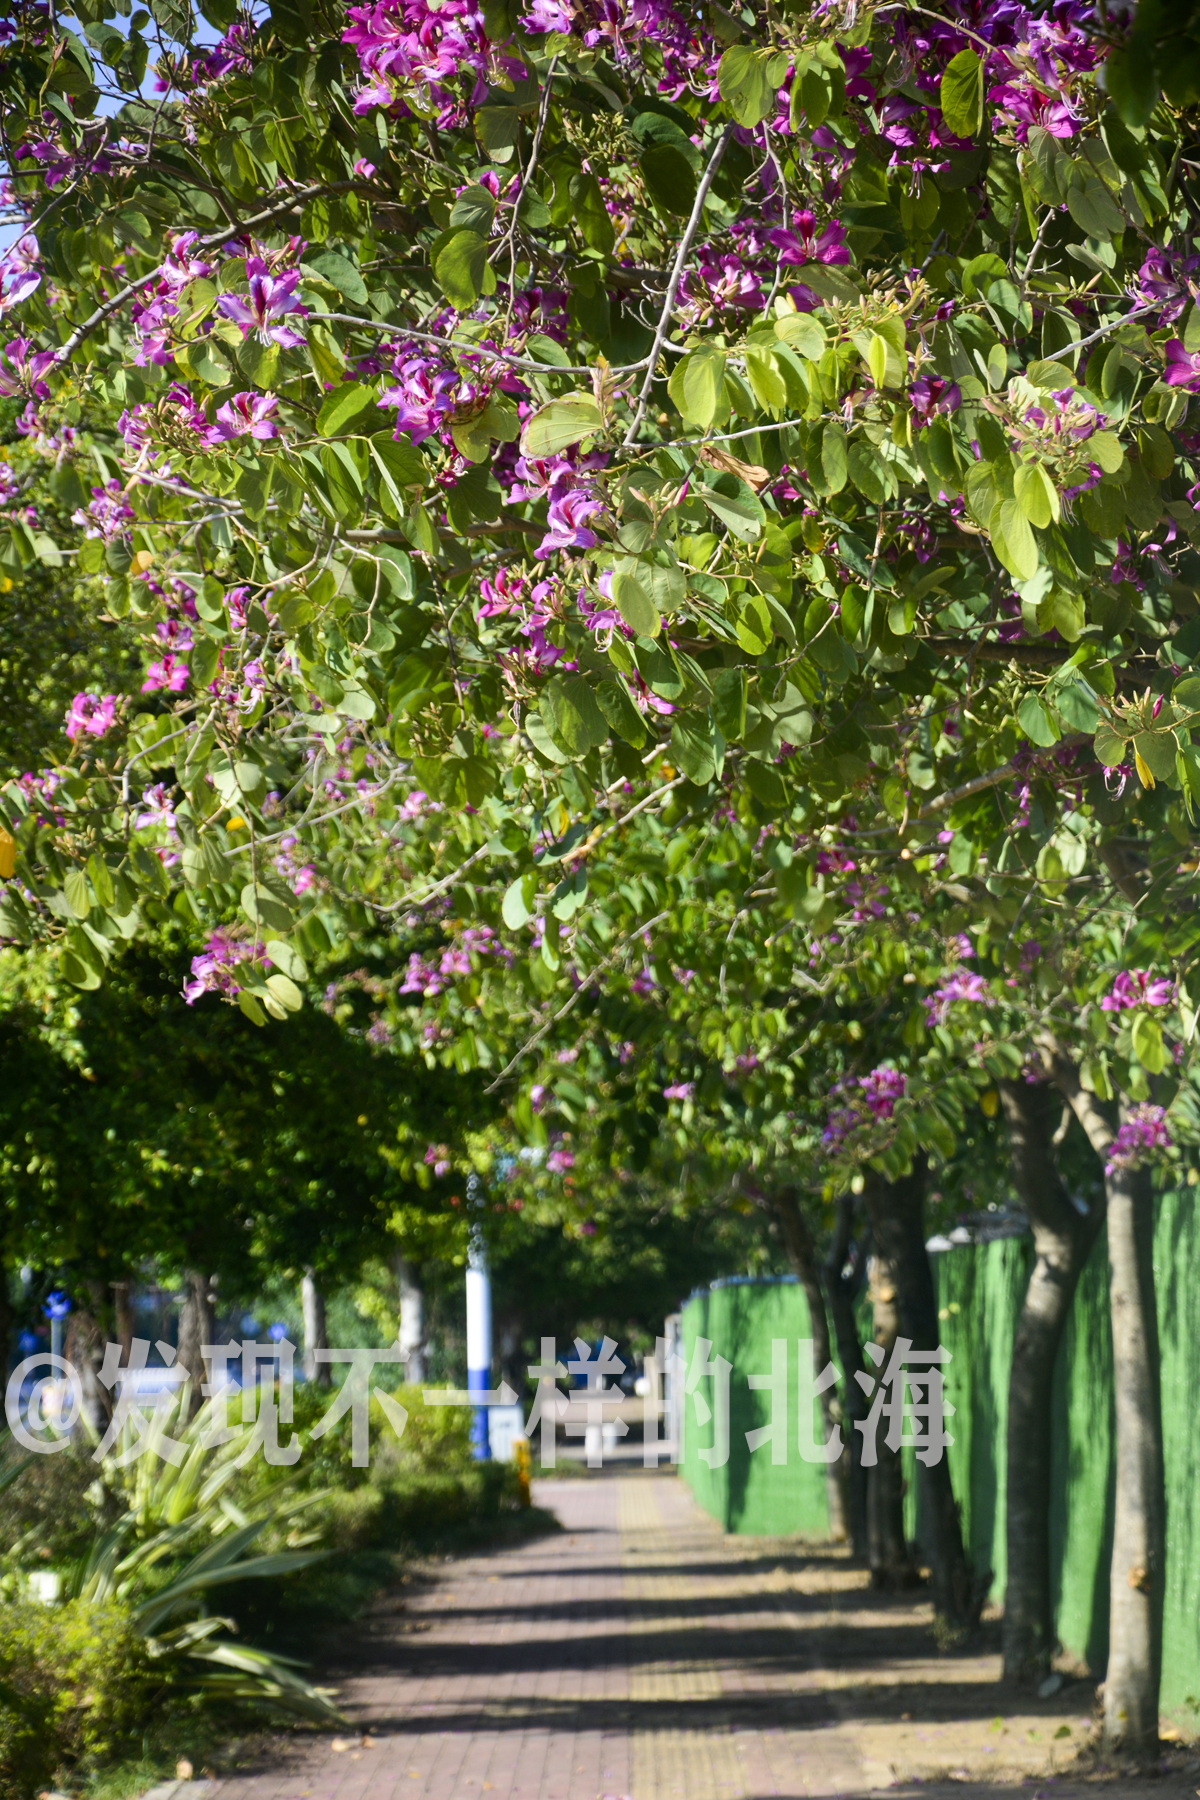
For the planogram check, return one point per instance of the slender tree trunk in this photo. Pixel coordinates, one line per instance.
(412, 1321)
(6, 1325)
(898, 1225)
(803, 1258)
(1063, 1239)
(123, 1318)
(892, 1568)
(1131, 1687)
(841, 1292)
(195, 1330)
(84, 1350)
(312, 1305)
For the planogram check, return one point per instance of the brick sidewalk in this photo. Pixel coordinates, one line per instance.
(637, 1654)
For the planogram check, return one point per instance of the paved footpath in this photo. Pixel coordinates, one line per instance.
(637, 1655)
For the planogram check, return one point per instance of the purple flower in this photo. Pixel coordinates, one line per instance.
(21, 369)
(801, 245)
(931, 395)
(20, 272)
(271, 299)
(213, 971)
(168, 673)
(681, 1090)
(1183, 366)
(1145, 1129)
(245, 415)
(1137, 987)
(559, 1161)
(972, 988)
(881, 1089)
(567, 517)
(91, 716)
(159, 810)
(106, 514)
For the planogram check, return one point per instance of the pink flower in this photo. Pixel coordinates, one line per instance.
(20, 272)
(169, 674)
(245, 415)
(559, 1161)
(881, 1089)
(1145, 1129)
(159, 810)
(972, 988)
(271, 298)
(1183, 366)
(90, 715)
(801, 245)
(1136, 987)
(213, 970)
(681, 1090)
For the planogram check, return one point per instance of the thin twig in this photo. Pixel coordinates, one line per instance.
(526, 177)
(685, 244)
(580, 991)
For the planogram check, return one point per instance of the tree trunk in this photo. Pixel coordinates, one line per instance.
(898, 1225)
(195, 1330)
(891, 1566)
(803, 1258)
(1134, 1674)
(1136, 1599)
(6, 1326)
(84, 1350)
(1062, 1238)
(123, 1318)
(841, 1293)
(312, 1306)
(412, 1321)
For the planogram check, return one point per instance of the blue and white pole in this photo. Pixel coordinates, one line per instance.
(479, 1341)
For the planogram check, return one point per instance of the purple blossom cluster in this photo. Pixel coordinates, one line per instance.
(215, 969)
(963, 986)
(1138, 987)
(1142, 1133)
(91, 715)
(865, 1099)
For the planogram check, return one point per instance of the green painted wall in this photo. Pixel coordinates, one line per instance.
(979, 1295)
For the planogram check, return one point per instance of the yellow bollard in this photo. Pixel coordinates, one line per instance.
(521, 1462)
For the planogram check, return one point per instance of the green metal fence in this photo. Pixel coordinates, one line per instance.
(979, 1295)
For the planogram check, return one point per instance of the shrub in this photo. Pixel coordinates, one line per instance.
(51, 1509)
(76, 1685)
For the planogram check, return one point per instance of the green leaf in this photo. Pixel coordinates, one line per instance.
(747, 81)
(497, 128)
(962, 94)
(263, 906)
(77, 893)
(635, 606)
(462, 270)
(1013, 541)
(340, 273)
(833, 457)
(614, 702)
(473, 210)
(736, 505)
(1110, 749)
(560, 424)
(344, 405)
(865, 468)
(570, 710)
(1105, 447)
(1157, 750)
(287, 959)
(1035, 721)
(251, 1007)
(1093, 208)
(516, 909)
(669, 178)
(1148, 1044)
(203, 662)
(803, 333)
(697, 385)
(77, 972)
(1036, 494)
(286, 992)
(591, 214)
(697, 747)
